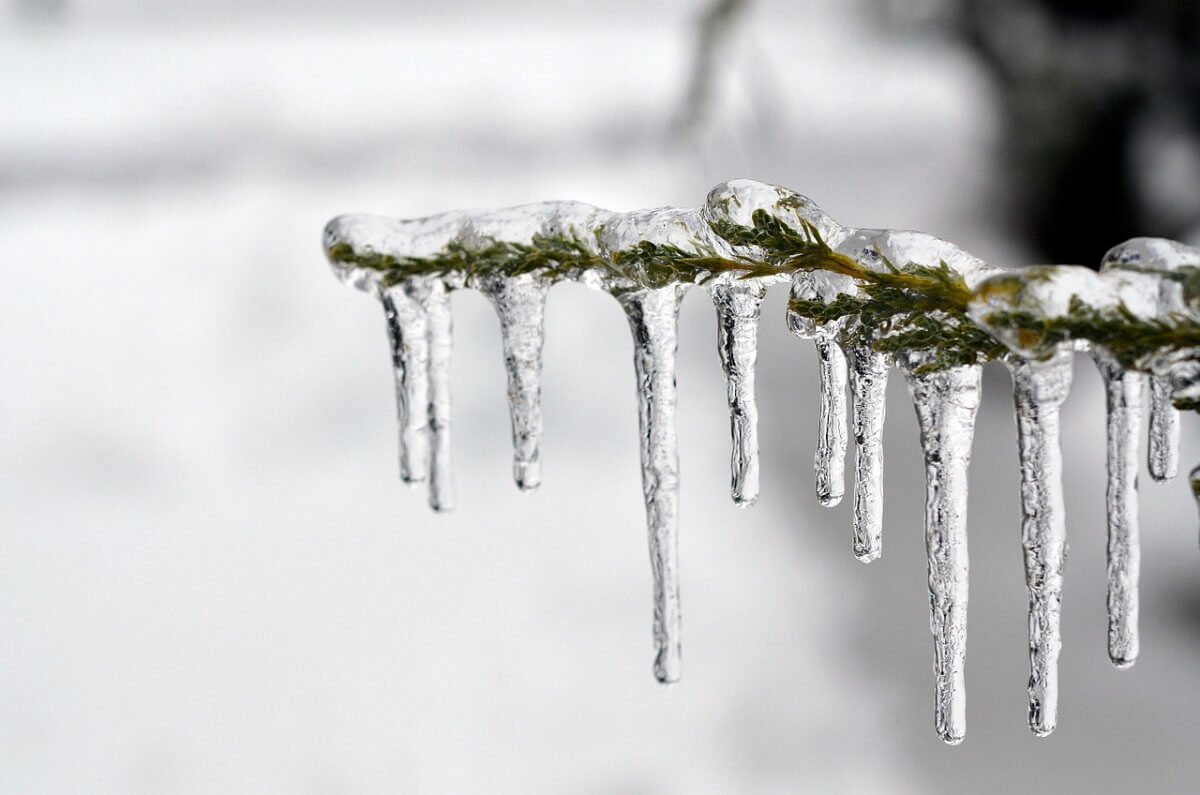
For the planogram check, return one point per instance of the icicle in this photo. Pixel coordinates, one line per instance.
(868, 385)
(946, 402)
(520, 301)
(1124, 400)
(1039, 389)
(1194, 478)
(1164, 431)
(653, 319)
(739, 305)
(407, 324)
(830, 461)
(441, 476)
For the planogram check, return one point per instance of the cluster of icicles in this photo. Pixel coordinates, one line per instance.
(946, 400)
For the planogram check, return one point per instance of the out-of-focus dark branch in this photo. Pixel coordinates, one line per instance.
(712, 35)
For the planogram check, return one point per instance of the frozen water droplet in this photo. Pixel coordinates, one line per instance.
(653, 319)
(1163, 458)
(868, 387)
(1123, 390)
(441, 475)
(830, 460)
(1039, 389)
(407, 324)
(946, 402)
(739, 305)
(520, 301)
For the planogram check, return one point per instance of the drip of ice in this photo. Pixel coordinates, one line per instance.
(1164, 431)
(653, 319)
(739, 305)
(440, 325)
(520, 302)
(1039, 389)
(946, 402)
(868, 387)
(1123, 398)
(404, 306)
(830, 460)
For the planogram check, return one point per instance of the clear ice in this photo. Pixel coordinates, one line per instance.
(520, 301)
(413, 266)
(1039, 389)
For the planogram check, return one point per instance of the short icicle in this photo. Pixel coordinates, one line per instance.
(520, 302)
(1123, 392)
(946, 402)
(441, 475)
(739, 306)
(654, 319)
(1163, 456)
(1039, 389)
(868, 387)
(830, 461)
(404, 307)
(1194, 482)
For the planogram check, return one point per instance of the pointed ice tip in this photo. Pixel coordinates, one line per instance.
(666, 671)
(952, 739)
(744, 500)
(868, 556)
(1122, 663)
(1042, 731)
(412, 481)
(527, 474)
(442, 506)
(829, 500)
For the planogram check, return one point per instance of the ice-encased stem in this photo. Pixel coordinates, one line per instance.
(440, 325)
(739, 306)
(1039, 389)
(868, 388)
(1123, 393)
(830, 460)
(653, 319)
(946, 402)
(404, 307)
(520, 302)
(1163, 457)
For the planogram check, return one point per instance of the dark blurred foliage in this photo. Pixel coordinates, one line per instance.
(1099, 108)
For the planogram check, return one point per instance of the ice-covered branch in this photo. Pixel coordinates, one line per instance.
(868, 298)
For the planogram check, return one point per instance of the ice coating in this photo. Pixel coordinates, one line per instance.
(1176, 265)
(1123, 399)
(946, 402)
(520, 302)
(1039, 389)
(440, 326)
(404, 307)
(653, 319)
(739, 305)
(647, 258)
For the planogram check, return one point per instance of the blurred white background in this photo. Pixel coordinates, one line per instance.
(211, 578)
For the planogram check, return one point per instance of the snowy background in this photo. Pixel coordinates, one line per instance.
(211, 579)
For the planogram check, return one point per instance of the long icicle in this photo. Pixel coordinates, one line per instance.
(868, 386)
(407, 324)
(1123, 392)
(654, 319)
(830, 459)
(441, 474)
(1163, 457)
(1039, 389)
(520, 302)
(739, 306)
(946, 402)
